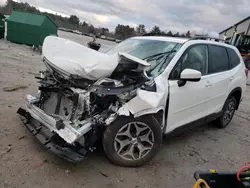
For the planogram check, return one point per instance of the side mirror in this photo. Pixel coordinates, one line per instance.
(190, 75)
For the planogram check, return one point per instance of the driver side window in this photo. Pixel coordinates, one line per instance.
(195, 57)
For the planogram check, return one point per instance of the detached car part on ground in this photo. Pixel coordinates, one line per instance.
(123, 98)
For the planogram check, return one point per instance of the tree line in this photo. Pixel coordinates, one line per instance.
(73, 23)
(125, 31)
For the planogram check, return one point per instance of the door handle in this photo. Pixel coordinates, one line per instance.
(208, 84)
(231, 78)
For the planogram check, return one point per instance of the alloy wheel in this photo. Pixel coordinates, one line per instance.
(134, 141)
(229, 112)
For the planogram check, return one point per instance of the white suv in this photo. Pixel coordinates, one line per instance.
(130, 96)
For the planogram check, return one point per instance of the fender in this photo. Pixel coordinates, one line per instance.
(124, 111)
(238, 89)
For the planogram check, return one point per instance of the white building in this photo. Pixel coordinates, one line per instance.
(232, 33)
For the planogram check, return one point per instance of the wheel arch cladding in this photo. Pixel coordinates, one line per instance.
(159, 116)
(237, 92)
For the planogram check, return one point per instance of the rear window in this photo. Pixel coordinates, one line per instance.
(218, 59)
(234, 59)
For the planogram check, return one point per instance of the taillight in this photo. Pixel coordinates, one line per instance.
(246, 71)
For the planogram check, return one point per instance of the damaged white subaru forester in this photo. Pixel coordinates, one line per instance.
(130, 96)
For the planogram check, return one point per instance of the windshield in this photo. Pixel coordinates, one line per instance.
(156, 52)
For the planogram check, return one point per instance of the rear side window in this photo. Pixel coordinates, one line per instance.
(234, 59)
(218, 59)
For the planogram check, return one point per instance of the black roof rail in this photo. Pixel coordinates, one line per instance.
(207, 38)
(162, 35)
(155, 34)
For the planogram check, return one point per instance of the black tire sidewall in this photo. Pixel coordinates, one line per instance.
(111, 131)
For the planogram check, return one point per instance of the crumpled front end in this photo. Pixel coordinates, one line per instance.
(75, 111)
(73, 106)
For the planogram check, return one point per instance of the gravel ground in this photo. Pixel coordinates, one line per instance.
(24, 163)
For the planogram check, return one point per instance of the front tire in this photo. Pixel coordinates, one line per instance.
(132, 142)
(228, 112)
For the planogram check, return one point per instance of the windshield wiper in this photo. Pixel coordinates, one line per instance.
(150, 58)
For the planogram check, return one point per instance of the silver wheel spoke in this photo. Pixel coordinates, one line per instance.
(129, 152)
(122, 143)
(231, 113)
(145, 138)
(139, 129)
(225, 118)
(231, 106)
(126, 132)
(141, 149)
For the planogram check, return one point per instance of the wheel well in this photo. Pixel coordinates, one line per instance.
(237, 94)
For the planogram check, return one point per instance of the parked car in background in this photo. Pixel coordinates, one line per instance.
(77, 32)
(103, 37)
(132, 95)
(117, 41)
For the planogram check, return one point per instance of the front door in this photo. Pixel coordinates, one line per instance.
(189, 102)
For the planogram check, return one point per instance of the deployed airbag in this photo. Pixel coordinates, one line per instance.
(79, 60)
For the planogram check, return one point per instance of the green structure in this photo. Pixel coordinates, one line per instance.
(2, 23)
(29, 28)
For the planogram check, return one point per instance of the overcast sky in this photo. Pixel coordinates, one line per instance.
(175, 15)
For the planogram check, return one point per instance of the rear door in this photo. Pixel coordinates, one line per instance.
(223, 76)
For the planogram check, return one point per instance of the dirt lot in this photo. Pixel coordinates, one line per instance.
(25, 163)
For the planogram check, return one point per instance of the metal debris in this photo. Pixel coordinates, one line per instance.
(21, 137)
(105, 175)
(14, 88)
(8, 149)
(33, 73)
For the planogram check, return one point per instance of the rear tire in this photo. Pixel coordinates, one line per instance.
(132, 142)
(228, 113)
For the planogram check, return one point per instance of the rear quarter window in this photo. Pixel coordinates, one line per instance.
(234, 59)
(218, 59)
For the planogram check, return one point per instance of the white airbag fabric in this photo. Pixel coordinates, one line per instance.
(83, 61)
(77, 59)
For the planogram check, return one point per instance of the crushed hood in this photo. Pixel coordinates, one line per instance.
(74, 59)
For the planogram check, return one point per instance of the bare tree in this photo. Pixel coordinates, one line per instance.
(140, 29)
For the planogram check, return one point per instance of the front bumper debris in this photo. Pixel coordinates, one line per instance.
(52, 141)
(62, 128)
